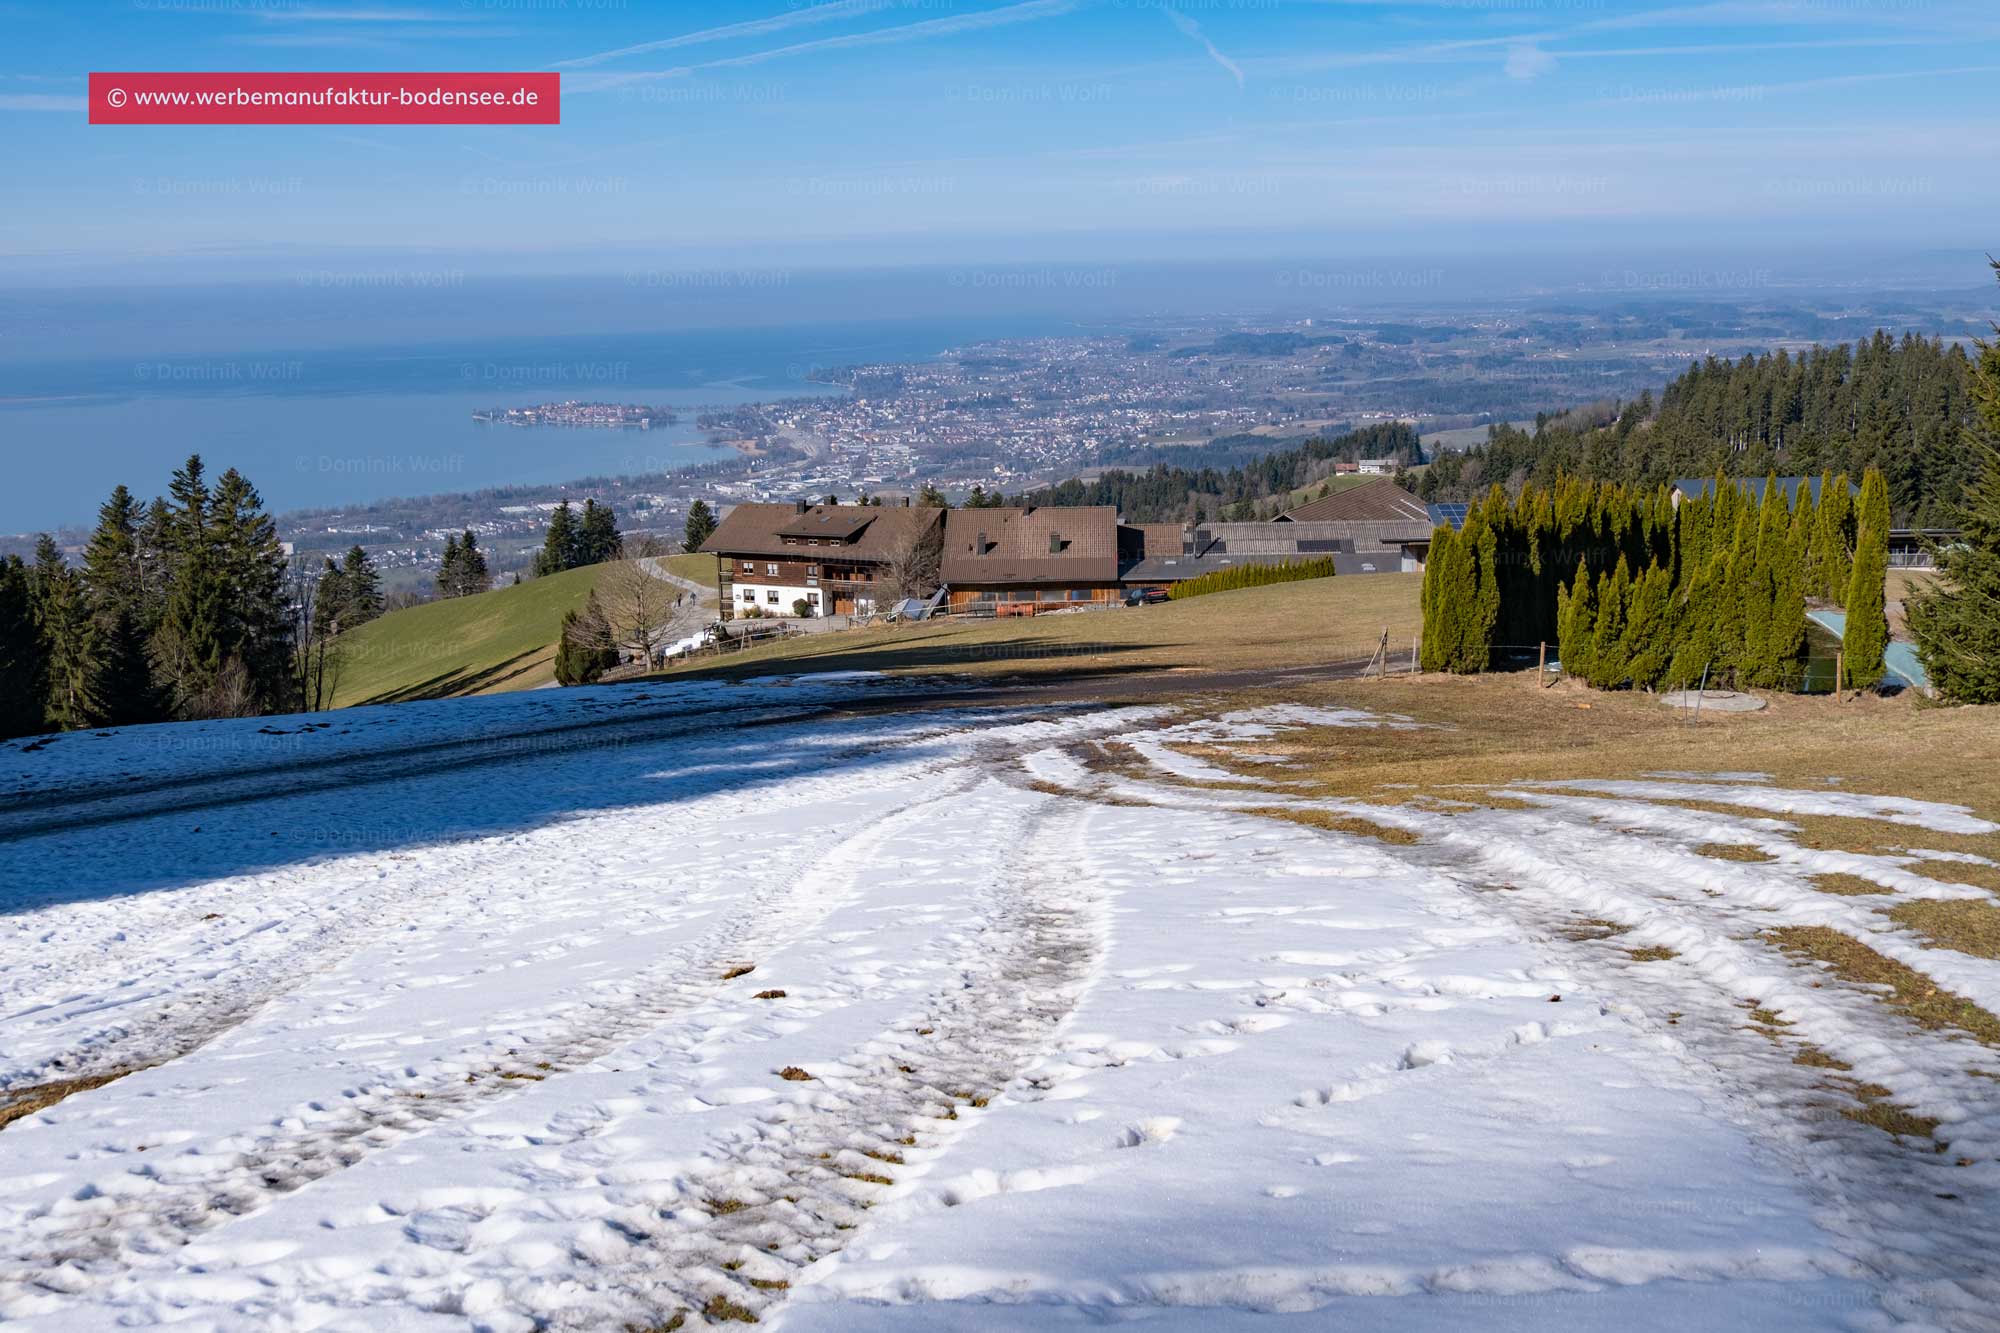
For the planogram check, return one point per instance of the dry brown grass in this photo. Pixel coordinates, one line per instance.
(794, 1074)
(1331, 822)
(1285, 625)
(1496, 731)
(723, 1310)
(1915, 995)
(742, 970)
(1959, 872)
(769, 995)
(1733, 851)
(1847, 886)
(1814, 1057)
(19, 1102)
(1968, 926)
(1652, 953)
(1592, 928)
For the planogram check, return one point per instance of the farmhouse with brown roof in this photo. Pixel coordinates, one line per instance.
(830, 558)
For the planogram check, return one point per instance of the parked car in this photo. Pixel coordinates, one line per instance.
(1145, 596)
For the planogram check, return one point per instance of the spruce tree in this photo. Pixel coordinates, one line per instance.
(700, 526)
(68, 644)
(448, 567)
(363, 588)
(473, 575)
(252, 566)
(116, 593)
(23, 673)
(1956, 621)
(598, 539)
(1867, 631)
(558, 543)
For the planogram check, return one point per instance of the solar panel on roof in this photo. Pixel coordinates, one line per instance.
(1443, 514)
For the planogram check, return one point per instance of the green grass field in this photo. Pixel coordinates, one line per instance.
(498, 641)
(1287, 625)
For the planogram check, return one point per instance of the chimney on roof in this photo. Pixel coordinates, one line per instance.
(802, 505)
(1027, 510)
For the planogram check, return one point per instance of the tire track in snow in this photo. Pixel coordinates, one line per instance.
(65, 1247)
(795, 1187)
(185, 1022)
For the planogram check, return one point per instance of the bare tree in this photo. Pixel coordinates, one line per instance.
(637, 607)
(916, 561)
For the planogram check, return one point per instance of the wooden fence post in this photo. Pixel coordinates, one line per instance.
(1839, 673)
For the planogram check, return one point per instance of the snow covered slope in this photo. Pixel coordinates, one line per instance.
(602, 1008)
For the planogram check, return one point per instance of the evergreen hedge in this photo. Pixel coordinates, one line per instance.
(1636, 589)
(1252, 576)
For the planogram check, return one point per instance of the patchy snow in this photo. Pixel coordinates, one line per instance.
(579, 1009)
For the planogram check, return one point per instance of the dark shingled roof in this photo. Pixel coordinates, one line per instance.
(1070, 544)
(1379, 501)
(854, 532)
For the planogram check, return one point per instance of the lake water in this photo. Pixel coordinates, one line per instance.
(320, 428)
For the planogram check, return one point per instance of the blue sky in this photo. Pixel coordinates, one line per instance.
(871, 131)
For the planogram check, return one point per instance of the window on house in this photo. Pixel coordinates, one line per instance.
(749, 566)
(771, 569)
(772, 596)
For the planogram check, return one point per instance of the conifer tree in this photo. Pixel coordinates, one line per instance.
(189, 647)
(22, 669)
(1608, 664)
(1649, 626)
(448, 567)
(1480, 578)
(473, 575)
(115, 592)
(1835, 534)
(597, 537)
(1956, 621)
(1867, 630)
(363, 588)
(583, 651)
(63, 621)
(1576, 614)
(1436, 600)
(251, 563)
(559, 543)
(699, 528)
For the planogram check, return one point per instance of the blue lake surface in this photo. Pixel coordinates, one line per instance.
(318, 427)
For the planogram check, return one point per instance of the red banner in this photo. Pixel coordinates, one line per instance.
(326, 99)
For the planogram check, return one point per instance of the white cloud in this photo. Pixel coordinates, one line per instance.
(908, 32)
(1193, 29)
(1528, 61)
(827, 13)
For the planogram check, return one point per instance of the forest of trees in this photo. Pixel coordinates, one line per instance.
(1904, 407)
(185, 608)
(1165, 494)
(1636, 589)
(1956, 621)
